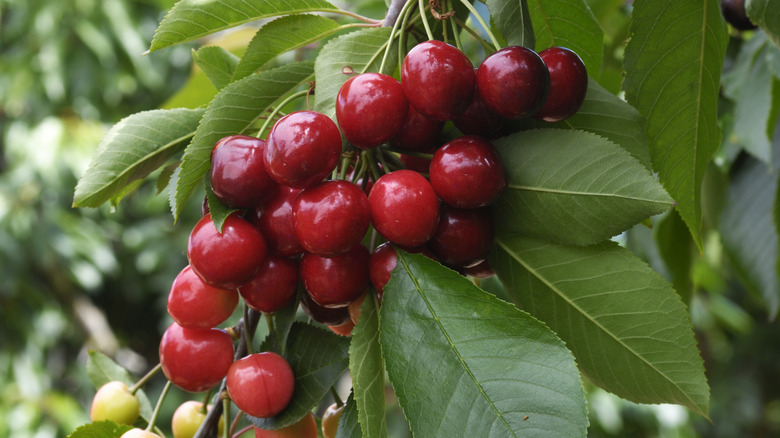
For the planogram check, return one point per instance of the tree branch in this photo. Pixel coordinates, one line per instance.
(393, 11)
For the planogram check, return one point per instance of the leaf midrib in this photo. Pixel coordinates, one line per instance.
(595, 194)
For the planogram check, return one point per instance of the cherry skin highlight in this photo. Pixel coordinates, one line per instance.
(513, 82)
(238, 176)
(261, 384)
(370, 108)
(568, 84)
(195, 360)
(192, 303)
(335, 281)
(404, 208)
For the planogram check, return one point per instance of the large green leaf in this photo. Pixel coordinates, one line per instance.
(191, 19)
(217, 63)
(101, 369)
(368, 370)
(349, 426)
(628, 329)
(100, 429)
(570, 24)
(234, 110)
(465, 363)
(766, 14)
(346, 55)
(282, 35)
(573, 187)
(132, 149)
(513, 20)
(673, 63)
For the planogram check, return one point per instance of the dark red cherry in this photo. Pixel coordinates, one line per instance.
(303, 147)
(238, 176)
(404, 208)
(480, 120)
(228, 259)
(481, 270)
(417, 164)
(331, 217)
(370, 108)
(467, 172)
(194, 304)
(335, 281)
(418, 133)
(324, 315)
(735, 14)
(513, 82)
(464, 236)
(274, 286)
(195, 359)
(438, 79)
(568, 84)
(382, 262)
(274, 219)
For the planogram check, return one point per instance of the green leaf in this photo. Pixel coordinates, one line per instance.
(513, 20)
(765, 14)
(234, 110)
(282, 35)
(673, 63)
(349, 426)
(219, 212)
(100, 429)
(368, 370)
(132, 149)
(628, 329)
(283, 321)
(191, 19)
(573, 187)
(349, 54)
(217, 63)
(570, 24)
(753, 112)
(318, 358)
(464, 363)
(101, 369)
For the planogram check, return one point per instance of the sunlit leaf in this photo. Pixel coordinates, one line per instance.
(217, 63)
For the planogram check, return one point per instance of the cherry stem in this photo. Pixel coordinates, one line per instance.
(142, 381)
(205, 405)
(393, 33)
(279, 107)
(381, 157)
(425, 19)
(226, 408)
(235, 423)
(455, 33)
(488, 48)
(410, 153)
(247, 335)
(244, 430)
(482, 23)
(156, 412)
(372, 166)
(336, 397)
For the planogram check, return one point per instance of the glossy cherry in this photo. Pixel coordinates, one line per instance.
(383, 260)
(330, 420)
(467, 172)
(735, 14)
(195, 359)
(188, 417)
(464, 236)
(324, 315)
(438, 79)
(303, 147)
(568, 84)
(404, 208)
(228, 259)
(238, 176)
(480, 120)
(274, 219)
(331, 217)
(113, 401)
(418, 132)
(370, 108)
(305, 428)
(261, 384)
(274, 286)
(139, 433)
(513, 82)
(192, 303)
(335, 281)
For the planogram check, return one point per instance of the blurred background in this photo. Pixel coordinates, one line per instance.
(74, 280)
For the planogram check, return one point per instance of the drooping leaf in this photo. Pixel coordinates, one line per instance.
(235, 109)
(101, 369)
(318, 358)
(677, 251)
(628, 329)
(765, 14)
(349, 426)
(573, 187)
(368, 370)
(283, 321)
(513, 20)
(100, 429)
(570, 24)
(132, 149)
(217, 63)
(673, 63)
(345, 56)
(191, 19)
(282, 35)
(464, 363)
(219, 212)
(753, 111)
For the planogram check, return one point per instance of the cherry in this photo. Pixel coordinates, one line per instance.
(735, 14)
(418, 132)
(261, 384)
(303, 147)
(370, 108)
(274, 219)
(274, 286)
(331, 217)
(438, 79)
(139, 433)
(354, 307)
(382, 262)
(467, 172)
(417, 164)
(478, 119)
(464, 236)
(238, 176)
(513, 82)
(228, 259)
(113, 401)
(305, 428)
(195, 359)
(324, 315)
(194, 304)
(330, 420)
(568, 84)
(404, 208)
(188, 417)
(335, 281)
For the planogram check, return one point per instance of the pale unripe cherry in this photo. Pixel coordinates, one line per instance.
(114, 402)
(188, 417)
(139, 433)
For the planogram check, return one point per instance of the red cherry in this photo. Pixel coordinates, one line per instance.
(479, 120)
(194, 304)
(303, 147)
(382, 262)
(404, 208)
(274, 219)
(568, 84)
(370, 108)
(228, 259)
(513, 82)
(305, 428)
(464, 236)
(335, 281)
(417, 164)
(331, 217)
(238, 176)
(261, 384)
(195, 359)
(321, 314)
(274, 286)
(438, 79)
(418, 133)
(467, 172)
